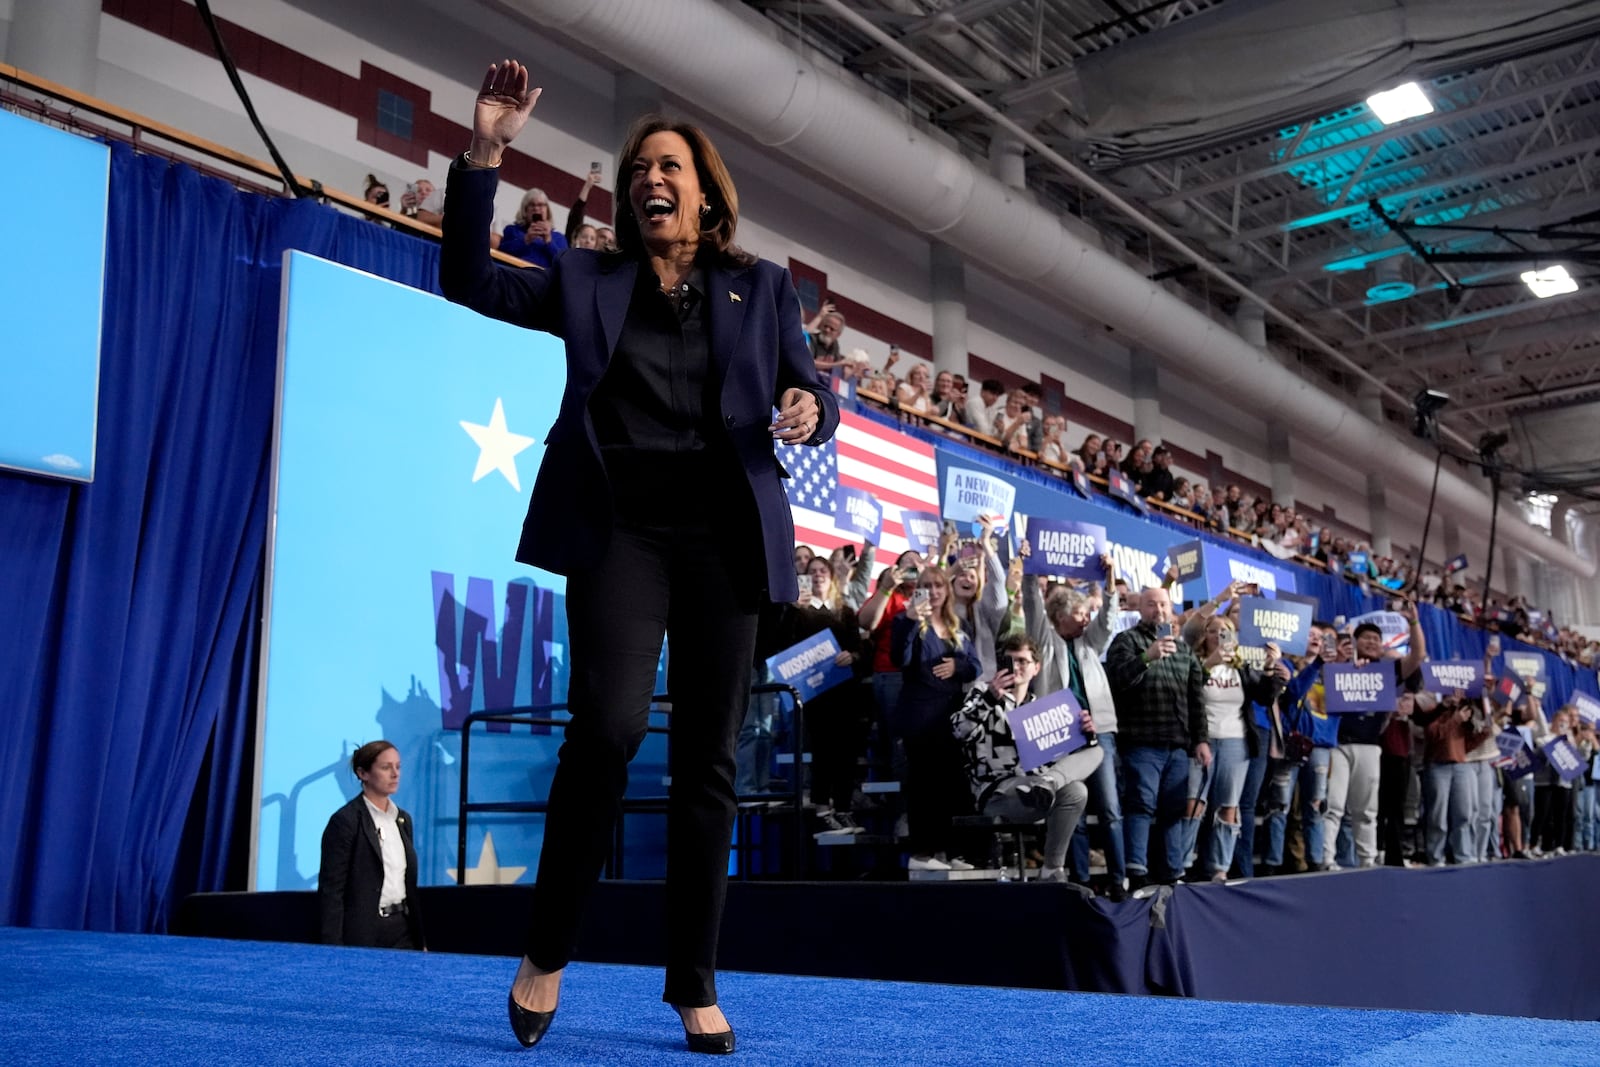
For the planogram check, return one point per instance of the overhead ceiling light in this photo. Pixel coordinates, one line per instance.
(1400, 103)
(1552, 281)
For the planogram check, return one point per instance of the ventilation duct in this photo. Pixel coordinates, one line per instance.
(821, 120)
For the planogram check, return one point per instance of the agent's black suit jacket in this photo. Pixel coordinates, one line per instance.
(352, 877)
(757, 352)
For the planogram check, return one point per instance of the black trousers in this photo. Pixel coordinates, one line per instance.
(668, 572)
(834, 723)
(1394, 781)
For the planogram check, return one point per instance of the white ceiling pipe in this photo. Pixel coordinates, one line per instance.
(743, 75)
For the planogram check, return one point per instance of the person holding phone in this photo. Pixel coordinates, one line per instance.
(580, 208)
(659, 499)
(530, 236)
(936, 660)
(1232, 687)
(1054, 792)
(1159, 687)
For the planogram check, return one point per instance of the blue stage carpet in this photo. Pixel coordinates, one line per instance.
(113, 998)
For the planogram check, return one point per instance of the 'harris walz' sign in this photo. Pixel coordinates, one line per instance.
(1046, 729)
(1065, 549)
(1281, 622)
(1348, 689)
(1453, 675)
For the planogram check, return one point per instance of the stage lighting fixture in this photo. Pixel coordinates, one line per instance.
(1492, 442)
(1551, 281)
(1425, 408)
(1400, 103)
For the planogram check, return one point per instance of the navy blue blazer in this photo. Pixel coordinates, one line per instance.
(758, 351)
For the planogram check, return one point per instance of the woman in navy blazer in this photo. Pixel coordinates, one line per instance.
(660, 499)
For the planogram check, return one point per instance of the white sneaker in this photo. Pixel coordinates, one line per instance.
(1053, 874)
(926, 863)
(956, 863)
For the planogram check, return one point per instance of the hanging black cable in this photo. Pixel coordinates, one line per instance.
(284, 172)
(1422, 550)
(1494, 520)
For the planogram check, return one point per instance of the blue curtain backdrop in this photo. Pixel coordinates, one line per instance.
(133, 604)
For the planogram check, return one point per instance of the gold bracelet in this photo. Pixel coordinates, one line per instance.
(467, 158)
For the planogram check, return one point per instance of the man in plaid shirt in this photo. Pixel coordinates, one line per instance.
(1158, 686)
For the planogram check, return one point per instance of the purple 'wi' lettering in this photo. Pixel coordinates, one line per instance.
(471, 652)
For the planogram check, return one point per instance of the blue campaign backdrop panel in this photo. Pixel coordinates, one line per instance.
(409, 435)
(52, 278)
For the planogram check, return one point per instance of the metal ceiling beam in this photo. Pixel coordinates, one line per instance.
(1426, 357)
(1558, 154)
(1583, 75)
(1522, 399)
(915, 26)
(1486, 314)
(1516, 216)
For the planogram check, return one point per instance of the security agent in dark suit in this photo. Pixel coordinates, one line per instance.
(660, 499)
(368, 886)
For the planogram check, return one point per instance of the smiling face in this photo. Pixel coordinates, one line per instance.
(964, 582)
(664, 191)
(944, 384)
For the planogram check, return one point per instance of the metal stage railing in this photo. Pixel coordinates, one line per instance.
(543, 715)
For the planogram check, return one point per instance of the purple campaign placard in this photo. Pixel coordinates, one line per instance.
(1065, 549)
(923, 529)
(809, 666)
(1282, 622)
(1446, 676)
(1563, 757)
(1046, 729)
(1080, 482)
(1517, 760)
(1510, 743)
(859, 512)
(1189, 558)
(1587, 707)
(1352, 690)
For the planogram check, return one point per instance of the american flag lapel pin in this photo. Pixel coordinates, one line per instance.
(733, 296)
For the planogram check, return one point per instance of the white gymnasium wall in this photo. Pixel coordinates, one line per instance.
(786, 211)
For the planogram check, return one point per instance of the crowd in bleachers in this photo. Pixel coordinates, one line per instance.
(1194, 736)
(1014, 421)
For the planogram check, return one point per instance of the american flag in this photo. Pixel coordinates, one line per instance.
(899, 471)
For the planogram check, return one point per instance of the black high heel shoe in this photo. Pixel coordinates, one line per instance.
(530, 1026)
(718, 1044)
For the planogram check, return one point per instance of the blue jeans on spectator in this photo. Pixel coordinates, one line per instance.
(1157, 785)
(1313, 779)
(753, 760)
(1244, 854)
(1230, 766)
(1198, 801)
(1105, 803)
(1587, 835)
(1450, 800)
(1344, 845)
(1486, 827)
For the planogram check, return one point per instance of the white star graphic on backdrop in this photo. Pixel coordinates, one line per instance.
(497, 446)
(489, 870)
